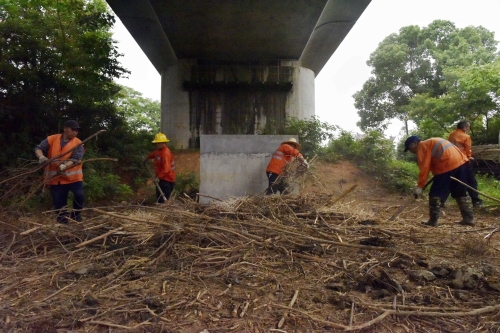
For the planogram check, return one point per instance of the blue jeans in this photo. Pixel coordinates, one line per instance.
(60, 199)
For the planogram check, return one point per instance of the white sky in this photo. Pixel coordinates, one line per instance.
(346, 71)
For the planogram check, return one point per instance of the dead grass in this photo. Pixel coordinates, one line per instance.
(308, 263)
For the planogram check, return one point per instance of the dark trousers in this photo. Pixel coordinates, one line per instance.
(60, 199)
(443, 185)
(472, 182)
(276, 186)
(469, 178)
(167, 188)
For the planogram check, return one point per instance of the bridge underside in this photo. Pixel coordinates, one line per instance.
(236, 67)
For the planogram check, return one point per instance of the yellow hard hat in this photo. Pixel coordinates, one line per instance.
(159, 138)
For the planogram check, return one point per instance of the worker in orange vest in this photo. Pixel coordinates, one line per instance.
(164, 167)
(65, 173)
(462, 140)
(286, 152)
(444, 160)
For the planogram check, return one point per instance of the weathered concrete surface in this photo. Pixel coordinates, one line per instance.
(239, 104)
(175, 106)
(235, 165)
(300, 101)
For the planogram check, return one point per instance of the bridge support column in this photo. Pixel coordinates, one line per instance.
(300, 101)
(175, 106)
(232, 99)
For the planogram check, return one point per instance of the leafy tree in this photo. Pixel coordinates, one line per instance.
(57, 61)
(412, 63)
(312, 133)
(142, 114)
(473, 93)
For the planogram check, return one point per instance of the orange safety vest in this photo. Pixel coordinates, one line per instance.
(164, 164)
(438, 156)
(281, 157)
(462, 140)
(72, 175)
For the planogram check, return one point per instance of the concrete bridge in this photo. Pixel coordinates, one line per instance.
(236, 66)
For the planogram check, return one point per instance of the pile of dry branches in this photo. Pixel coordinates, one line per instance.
(254, 264)
(486, 152)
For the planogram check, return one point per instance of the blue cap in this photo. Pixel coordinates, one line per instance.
(410, 140)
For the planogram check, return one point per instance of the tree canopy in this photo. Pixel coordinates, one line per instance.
(142, 114)
(57, 61)
(421, 74)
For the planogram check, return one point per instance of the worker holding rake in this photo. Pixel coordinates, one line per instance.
(164, 168)
(444, 160)
(286, 152)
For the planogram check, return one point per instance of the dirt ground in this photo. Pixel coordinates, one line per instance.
(329, 260)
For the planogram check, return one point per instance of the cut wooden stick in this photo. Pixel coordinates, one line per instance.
(344, 194)
(99, 237)
(292, 302)
(472, 188)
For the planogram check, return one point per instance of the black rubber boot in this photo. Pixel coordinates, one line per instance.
(476, 203)
(434, 210)
(465, 206)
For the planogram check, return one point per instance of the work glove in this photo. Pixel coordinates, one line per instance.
(157, 180)
(417, 192)
(305, 164)
(42, 159)
(62, 167)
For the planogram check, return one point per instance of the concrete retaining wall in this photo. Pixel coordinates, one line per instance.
(235, 165)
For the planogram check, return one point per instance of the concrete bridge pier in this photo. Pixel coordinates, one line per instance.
(230, 98)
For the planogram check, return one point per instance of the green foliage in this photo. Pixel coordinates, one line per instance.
(312, 133)
(141, 114)
(344, 146)
(375, 155)
(105, 187)
(375, 148)
(57, 61)
(422, 62)
(402, 175)
(186, 183)
(490, 186)
(473, 93)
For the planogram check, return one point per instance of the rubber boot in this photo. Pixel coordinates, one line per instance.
(434, 210)
(465, 206)
(476, 203)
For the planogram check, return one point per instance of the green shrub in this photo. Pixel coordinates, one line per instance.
(106, 187)
(375, 155)
(313, 133)
(489, 186)
(345, 146)
(186, 183)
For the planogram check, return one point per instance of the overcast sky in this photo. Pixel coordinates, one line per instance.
(346, 71)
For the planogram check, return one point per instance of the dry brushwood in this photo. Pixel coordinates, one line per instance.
(23, 183)
(236, 266)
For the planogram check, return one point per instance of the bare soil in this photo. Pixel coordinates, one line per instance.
(329, 260)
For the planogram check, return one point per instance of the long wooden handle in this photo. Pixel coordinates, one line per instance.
(400, 209)
(472, 188)
(154, 181)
